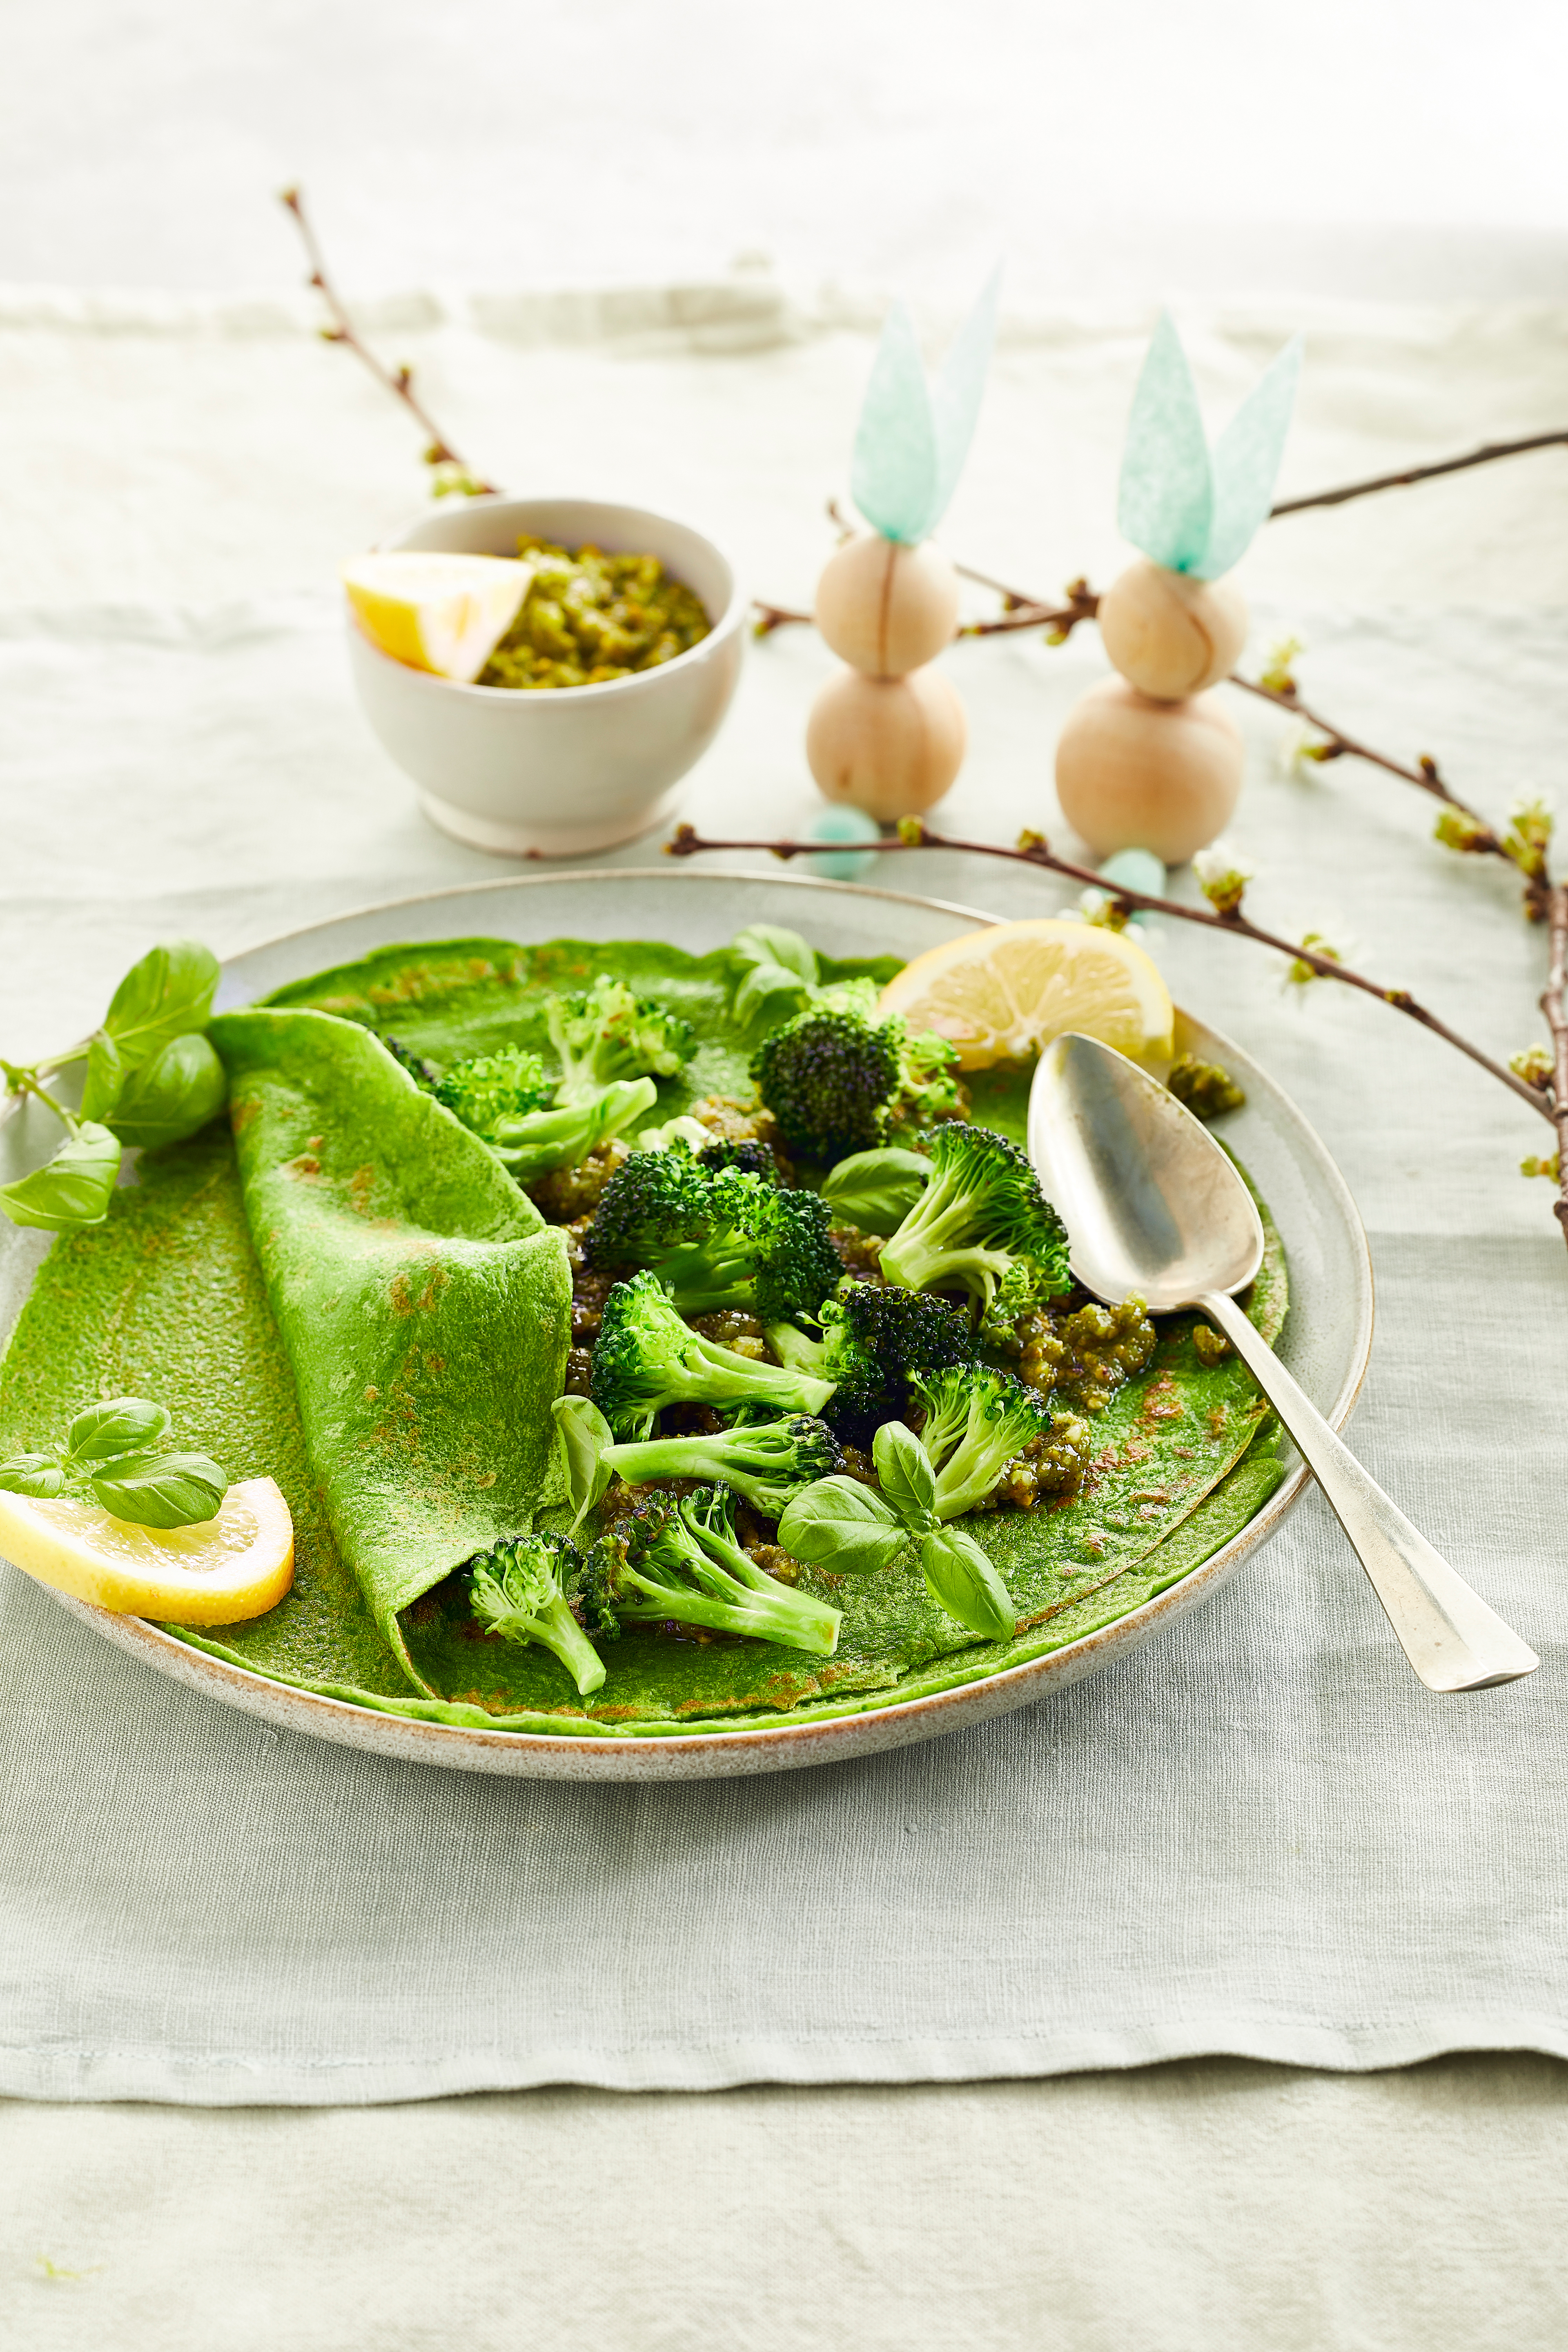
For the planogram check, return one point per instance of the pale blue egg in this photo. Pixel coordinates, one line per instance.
(846, 825)
(1135, 869)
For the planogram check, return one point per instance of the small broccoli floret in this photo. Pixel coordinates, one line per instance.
(766, 1460)
(875, 1340)
(645, 1357)
(681, 1561)
(976, 1420)
(492, 1086)
(837, 1081)
(521, 1590)
(982, 1215)
(716, 1237)
(611, 1032)
(744, 1153)
(531, 1146)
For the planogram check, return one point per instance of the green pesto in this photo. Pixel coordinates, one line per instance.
(589, 617)
(1176, 1471)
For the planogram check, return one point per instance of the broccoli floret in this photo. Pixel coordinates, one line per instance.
(544, 1140)
(766, 1460)
(875, 1340)
(492, 1086)
(716, 1237)
(681, 1561)
(981, 1223)
(611, 1032)
(645, 1357)
(742, 1151)
(521, 1590)
(837, 1081)
(976, 1420)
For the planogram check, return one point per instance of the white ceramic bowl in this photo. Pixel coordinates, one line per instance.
(570, 769)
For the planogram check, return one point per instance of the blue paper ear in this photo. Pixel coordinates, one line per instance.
(1191, 511)
(912, 438)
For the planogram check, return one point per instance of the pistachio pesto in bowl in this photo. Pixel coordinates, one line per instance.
(577, 760)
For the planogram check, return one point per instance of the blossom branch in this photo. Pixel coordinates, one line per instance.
(1487, 454)
(1554, 1005)
(398, 381)
(1036, 851)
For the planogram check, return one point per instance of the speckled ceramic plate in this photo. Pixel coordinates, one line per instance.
(1327, 1339)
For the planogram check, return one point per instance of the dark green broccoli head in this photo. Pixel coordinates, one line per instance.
(837, 1080)
(893, 1337)
(982, 1224)
(830, 1079)
(646, 1357)
(716, 1237)
(508, 1084)
(609, 1033)
(976, 1420)
(744, 1153)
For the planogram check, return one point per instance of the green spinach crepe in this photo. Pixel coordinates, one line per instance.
(354, 1237)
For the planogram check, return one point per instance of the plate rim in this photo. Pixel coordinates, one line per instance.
(746, 1748)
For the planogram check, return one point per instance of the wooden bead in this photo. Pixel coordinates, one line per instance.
(891, 746)
(1133, 773)
(1169, 634)
(886, 609)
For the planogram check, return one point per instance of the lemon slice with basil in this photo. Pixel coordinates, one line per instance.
(237, 1564)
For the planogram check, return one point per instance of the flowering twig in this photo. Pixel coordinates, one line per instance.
(1554, 1005)
(1488, 452)
(1036, 851)
(398, 381)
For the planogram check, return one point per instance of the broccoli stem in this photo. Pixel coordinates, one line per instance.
(552, 1626)
(542, 1139)
(781, 1615)
(643, 1459)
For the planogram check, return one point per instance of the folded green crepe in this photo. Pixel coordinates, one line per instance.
(168, 1300)
(424, 1303)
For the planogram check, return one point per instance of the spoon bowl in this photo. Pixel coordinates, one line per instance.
(1159, 1211)
(1156, 1210)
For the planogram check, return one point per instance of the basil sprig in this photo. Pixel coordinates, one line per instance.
(116, 1453)
(875, 1191)
(842, 1525)
(151, 1078)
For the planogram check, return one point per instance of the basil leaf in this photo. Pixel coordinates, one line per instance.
(70, 1190)
(909, 1482)
(105, 1076)
(171, 1095)
(38, 1474)
(768, 984)
(169, 992)
(840, 1525)
(763, 943)
(876, 1190)
(161, 1490)
(962, 1580)
(120, 1425)
(584, 1435)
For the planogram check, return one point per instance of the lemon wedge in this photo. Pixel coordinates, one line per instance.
(1003, 995)
(441, 612)
(233, 1566)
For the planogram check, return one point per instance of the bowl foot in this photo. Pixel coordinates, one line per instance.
(542, 840)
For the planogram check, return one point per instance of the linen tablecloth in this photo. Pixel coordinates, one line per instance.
(1258, 1835)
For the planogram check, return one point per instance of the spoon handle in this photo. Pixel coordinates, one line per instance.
(1447, 1633)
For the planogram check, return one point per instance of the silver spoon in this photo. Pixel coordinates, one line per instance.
(1154, 1209)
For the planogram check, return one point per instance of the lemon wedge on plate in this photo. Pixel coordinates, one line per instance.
(441, 612)
(235, 1565)
(1003, 993)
